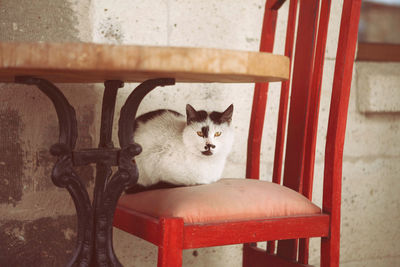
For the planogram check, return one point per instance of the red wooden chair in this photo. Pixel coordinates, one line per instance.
(234, 211)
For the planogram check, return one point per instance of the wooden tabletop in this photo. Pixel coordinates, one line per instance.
(87, 63)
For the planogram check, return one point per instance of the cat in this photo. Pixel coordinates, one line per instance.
(179, 151)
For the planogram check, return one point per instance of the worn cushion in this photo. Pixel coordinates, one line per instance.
(225, 200)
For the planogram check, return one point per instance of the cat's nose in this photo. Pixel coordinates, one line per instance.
(209, 146)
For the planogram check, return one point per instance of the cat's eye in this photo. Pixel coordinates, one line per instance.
(200, 134)
(217, 134)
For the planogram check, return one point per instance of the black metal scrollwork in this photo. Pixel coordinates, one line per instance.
(126, 175)
(65, 112)
(128, 111)
(63, 174)
(94, 240)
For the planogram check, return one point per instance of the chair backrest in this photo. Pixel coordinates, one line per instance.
(305, 88)
(307, 54)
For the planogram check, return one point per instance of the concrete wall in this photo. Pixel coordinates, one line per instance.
(32, 209)
(37, 219)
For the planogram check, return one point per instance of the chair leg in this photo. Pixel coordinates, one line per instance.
(247, 257)
(169, 257)
(170, 249)
(304, 250)
(330, 250)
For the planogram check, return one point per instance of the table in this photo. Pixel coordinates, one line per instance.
(43, 64)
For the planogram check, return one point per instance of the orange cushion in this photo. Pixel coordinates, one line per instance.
(226, 200)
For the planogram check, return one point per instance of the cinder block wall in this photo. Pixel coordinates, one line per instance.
(32, 210)
(37, 219)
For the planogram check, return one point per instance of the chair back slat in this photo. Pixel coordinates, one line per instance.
(312, 126)
(337, 126)
(304, 89)
(260, 97)
(339, 102)
(283, 103)
(303, 63)
(283, 106)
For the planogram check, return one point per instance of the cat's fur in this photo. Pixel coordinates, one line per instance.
(182, 151)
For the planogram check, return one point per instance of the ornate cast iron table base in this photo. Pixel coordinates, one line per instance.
(94, 236)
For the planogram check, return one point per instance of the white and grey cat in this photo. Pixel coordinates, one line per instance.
(182, 151)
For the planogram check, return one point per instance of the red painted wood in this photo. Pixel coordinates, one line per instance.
(304, 250)
(337, 127)
(255, 132)
(299, 103)
(170, 249)
(312, 125)
(277, 261)
(256, 257)
(253, 256)
(138, 224)
(260, 98)
(282, 116)
(287, 249)
(299, 99)
(227, 233)
(283, 106)
(275, 4)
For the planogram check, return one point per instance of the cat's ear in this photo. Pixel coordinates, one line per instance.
(190, 113)
(227, 114)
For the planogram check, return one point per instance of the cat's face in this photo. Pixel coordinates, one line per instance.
(208, 134)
